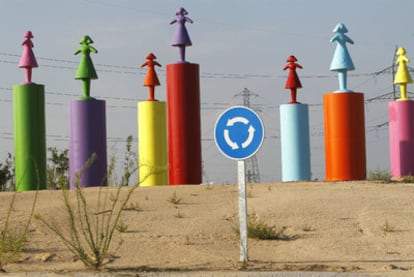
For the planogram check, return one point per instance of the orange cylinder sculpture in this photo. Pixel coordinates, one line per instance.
(344, 136)
(183, 119)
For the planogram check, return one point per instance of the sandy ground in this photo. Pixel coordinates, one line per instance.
(336, 226)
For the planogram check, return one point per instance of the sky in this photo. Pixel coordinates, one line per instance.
(238, 45)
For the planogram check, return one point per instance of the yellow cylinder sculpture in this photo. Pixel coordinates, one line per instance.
(152, 143)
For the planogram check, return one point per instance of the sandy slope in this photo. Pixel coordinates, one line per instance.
(333, 227)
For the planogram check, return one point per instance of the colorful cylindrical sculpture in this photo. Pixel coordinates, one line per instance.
(30, 136)
(344, 136)
(87, 135)
(401, 132)
(295, 146)
(152, 138)
(184, 132)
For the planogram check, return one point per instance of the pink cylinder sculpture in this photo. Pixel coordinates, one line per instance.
(401, 132)
(87, 135)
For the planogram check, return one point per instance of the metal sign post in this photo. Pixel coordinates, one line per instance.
(242, 210)
(238, 134)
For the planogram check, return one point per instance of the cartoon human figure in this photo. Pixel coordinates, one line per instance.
(86, 70)
(151, 79)
(341, 61)
(402, 77)
(28, 59)
(181, 37)
(292, 81)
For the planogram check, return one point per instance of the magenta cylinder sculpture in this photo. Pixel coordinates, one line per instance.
(401, 132)
(87, 134)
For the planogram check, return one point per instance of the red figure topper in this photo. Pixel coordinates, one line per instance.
(151, 79)
(293, 81)
(28, 59)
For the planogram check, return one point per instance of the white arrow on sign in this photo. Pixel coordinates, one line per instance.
(232, 144)
(249, 138)
(237, 119)
(251, 130)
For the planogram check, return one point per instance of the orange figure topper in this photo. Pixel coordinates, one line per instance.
(151, 79)
(292, 81)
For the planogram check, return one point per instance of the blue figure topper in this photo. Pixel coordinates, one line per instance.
(341, 61)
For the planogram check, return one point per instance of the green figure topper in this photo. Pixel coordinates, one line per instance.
(86, 70)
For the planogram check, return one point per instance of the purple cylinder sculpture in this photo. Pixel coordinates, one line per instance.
(401, 130)
(87, 134)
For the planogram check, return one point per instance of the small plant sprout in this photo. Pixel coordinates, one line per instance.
(134, 207)
(122, 227)
(179, 215)
(307, 228)
(388, 227)
(174, 199)
(358, 227)
(188, 241)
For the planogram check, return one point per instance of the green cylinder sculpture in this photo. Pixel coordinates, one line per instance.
(29, 125)
(29, 136)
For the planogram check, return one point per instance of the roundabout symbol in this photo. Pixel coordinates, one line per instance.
(239, 133)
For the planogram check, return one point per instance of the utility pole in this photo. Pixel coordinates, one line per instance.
(252, 167)
(393, 73)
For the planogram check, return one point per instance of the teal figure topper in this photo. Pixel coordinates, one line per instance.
(86, 70)
(341, 61)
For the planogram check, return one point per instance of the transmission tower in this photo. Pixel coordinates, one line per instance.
(252, 167)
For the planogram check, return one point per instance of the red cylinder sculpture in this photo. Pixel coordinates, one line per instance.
(344, 136)
(184, 132)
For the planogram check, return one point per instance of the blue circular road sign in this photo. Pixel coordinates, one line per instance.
(238, 133)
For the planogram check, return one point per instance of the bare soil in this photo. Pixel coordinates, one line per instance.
(362, 227)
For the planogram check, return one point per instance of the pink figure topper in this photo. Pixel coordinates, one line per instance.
(292, 81)
(151, 79)
(28, 59)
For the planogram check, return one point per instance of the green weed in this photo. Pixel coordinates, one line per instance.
(259, 229)
(380, 175)
(174, 199)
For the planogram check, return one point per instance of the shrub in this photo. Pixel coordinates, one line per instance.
(407, 179)
(258, 229)
(58, 168)
(380, 175)
(13, 238)
(129, 164)
(7, 173)
(89, 232)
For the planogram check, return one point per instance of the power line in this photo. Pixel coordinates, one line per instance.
(207, 75)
